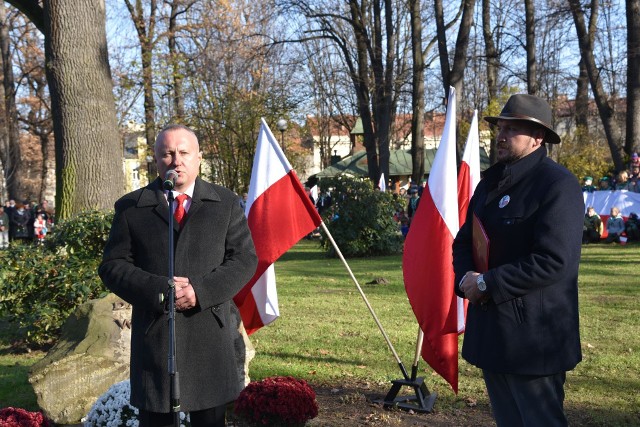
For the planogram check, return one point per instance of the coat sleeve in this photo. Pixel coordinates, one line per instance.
(238, 266)
(118, 271)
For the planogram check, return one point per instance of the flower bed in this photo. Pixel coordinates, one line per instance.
(277, 401)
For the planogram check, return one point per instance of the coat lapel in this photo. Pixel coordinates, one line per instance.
(153, 196)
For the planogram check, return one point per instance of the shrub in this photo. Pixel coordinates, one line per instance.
(277, 401)
(360, 219)
(40, 286)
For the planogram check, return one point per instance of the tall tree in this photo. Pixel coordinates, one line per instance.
(493, 64)
(530, 47)
(177, 8)
(454, 75)
(88, 150)
(417, 98)
(611, 128)
(366, 35)
(632, 141)
(145, 28)
(9, 137)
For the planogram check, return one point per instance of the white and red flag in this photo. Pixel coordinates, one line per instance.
(427, 261)
(468, 179)
(279, 213)
(382, 183)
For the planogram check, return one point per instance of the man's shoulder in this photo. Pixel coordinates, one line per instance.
(209, 190)
(130, 199)
(549, 171)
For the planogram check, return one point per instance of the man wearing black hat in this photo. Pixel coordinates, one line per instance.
(516, 260)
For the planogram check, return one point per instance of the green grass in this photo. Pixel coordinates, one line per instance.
(326, 335)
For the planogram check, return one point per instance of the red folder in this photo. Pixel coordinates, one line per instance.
(480, 246)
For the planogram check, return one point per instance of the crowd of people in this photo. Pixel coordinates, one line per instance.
(24, 221)
(628, 179)
(618, 229)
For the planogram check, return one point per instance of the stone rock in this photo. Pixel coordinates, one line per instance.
(91, 355)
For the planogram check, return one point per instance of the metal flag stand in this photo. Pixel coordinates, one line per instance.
(423, 400)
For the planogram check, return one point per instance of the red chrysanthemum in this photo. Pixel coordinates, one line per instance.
(284, 401)
(17, 417)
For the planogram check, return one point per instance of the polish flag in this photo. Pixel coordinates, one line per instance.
(382, 183)
(279, 213)
(427, 262)
(468, 179)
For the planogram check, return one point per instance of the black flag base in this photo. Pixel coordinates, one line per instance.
(422, 401)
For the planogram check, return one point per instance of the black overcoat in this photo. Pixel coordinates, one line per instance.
(532, 212)
(215, 251)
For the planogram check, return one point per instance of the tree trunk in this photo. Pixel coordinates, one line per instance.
(530, 30)
(145, 37)
(632, 141)
(443, 52)
(417, 93)
(493, 63)
(178, 93)
(88, 149)
(611, 128)
(582, 98)
(10, 139)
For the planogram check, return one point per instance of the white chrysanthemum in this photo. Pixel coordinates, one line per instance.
(113, 409)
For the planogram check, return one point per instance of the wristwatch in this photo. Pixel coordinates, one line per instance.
(482, 286)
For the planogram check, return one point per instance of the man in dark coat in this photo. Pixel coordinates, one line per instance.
(214, 258)
(522, 321)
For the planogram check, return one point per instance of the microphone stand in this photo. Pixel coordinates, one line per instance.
(174, 378)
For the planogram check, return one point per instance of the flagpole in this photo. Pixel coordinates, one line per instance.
(366, 301)
(416, 359)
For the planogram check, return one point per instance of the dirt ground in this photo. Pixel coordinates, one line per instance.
(354, 405)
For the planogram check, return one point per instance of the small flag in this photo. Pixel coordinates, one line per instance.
(382, 183)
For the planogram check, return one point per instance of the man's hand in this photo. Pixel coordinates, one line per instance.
(185, 295)
(470, 288)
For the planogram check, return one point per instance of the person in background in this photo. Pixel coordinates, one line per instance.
(413, 203)
(634, 179)
(9, 209)
(214, 258)
(4, 229)
(20, 223)
(632, 227)
(615, 226)
(39, 229)
(622, 181)
(604, 184)
(522, 325)
(635, 161)
(592, 229)
(243, 201)
(587, 185)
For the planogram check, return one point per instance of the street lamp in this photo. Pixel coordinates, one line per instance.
(282, 126)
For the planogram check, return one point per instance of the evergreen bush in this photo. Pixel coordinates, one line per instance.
(40, 286)
(360, 219)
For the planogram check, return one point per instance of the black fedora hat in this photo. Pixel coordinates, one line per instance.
(529, 108)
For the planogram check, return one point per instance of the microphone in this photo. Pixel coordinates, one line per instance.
(170, 179)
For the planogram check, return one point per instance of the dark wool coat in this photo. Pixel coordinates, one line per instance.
(215, 251)
(530, 323)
